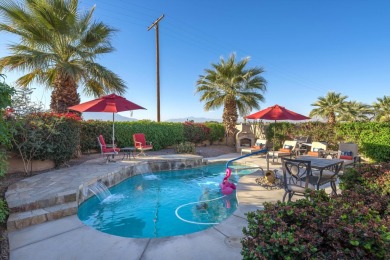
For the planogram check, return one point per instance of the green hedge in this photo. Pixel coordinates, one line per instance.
(373, 138)
(162, 135)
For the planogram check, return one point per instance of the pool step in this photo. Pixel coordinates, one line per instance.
(27, 203)
(37, 216)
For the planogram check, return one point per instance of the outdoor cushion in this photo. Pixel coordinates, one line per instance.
(256, 147)
(284, 150)
(346, 157)
(312, 153)
(347, 153)
(104, 146)
(110, 150)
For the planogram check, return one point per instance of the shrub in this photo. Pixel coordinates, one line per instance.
(217, 131)
(185, 147)
(42, 136)
(3, 211)
(353, 225)
(196, 132)
(375, 178)
(348, 226)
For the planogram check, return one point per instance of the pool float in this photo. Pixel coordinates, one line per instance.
(226, 186)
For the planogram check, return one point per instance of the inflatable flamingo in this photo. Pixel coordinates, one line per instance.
(226, 186)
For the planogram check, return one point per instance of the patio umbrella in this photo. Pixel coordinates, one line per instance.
(111, 103)
(276, 112)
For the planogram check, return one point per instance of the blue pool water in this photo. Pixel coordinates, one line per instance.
(167, 203)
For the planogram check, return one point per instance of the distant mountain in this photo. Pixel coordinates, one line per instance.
(195, 119)
(105, 117)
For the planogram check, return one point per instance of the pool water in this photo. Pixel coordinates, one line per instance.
(167, 203)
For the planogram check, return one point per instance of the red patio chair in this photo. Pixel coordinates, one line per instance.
(107, 151)
(141, 144)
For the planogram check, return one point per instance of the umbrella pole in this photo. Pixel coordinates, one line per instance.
(273, 143)
(113, 131)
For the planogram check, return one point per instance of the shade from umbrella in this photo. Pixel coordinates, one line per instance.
(111, 103)
(276, 112)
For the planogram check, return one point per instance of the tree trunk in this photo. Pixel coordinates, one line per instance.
(230, 120)
(332, 119)
(64, 94)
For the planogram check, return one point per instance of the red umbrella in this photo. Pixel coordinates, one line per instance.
(111, 103)
(277, 112)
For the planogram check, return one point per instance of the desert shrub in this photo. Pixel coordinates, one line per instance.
(348, 226)
(196, 132)
(3, 211)
(185, 147)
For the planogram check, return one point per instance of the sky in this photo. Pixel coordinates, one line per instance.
(307, 48)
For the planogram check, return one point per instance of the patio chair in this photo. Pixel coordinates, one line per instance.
(327, 175)
(141, 144)
(107, 151)
(348, 152)
(296, 176)
(288, 149)
(317, 149)
(259, 145)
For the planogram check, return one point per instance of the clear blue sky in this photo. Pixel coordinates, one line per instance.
(306, 47)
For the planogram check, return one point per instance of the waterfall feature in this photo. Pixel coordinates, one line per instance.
(100, 190)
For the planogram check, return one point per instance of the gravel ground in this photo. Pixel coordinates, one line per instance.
(205, 151)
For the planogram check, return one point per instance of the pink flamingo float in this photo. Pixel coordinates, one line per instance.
(226, 186)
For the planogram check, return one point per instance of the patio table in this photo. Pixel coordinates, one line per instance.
(322, 164)
(127, 152)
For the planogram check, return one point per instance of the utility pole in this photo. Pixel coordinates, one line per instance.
(155, 25)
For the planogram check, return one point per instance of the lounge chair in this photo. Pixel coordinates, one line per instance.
(317, 149)
(141, 144)
(107, 151)
(288, 149)
(259, 145)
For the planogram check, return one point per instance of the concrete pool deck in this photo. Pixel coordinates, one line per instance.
(69, 238)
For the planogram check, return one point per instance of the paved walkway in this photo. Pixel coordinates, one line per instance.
(69, 238)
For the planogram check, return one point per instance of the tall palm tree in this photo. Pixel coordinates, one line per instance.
(231, 85)
(58, 48)
(355, 111)
(382, 109)
(329, 106)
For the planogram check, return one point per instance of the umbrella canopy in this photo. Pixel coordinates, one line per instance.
(111, 103)
(276, 112)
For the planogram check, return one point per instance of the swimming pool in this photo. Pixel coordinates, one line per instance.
(167, 203)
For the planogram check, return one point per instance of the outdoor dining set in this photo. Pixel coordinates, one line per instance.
(313, 167)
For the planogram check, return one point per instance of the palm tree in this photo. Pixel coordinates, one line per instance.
(231, 85)
(382, 109)
(329, 106)
(58, 49)
(355, 111)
